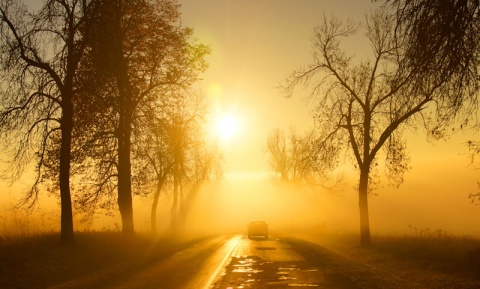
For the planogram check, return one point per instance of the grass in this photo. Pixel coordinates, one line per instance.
(19, 224)
(39, 261)
(426, 260)
(449, 254)
(31, 255)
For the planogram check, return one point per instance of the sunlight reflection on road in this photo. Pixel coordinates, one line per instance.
(233, 244)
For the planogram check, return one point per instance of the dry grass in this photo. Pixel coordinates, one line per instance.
(31, 255)
(425, 261)
(20, 224)
(449, 254)
(39, 261)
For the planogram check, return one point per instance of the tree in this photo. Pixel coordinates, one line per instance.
(174, 151)
(364, 106)
(278, 154)
(294, 158)
(204, 166)
(442, 39)
(158, 161)
(41, 53)
(474, 152)
(141, 46)
(185, 117)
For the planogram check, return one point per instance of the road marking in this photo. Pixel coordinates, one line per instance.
(235, 240)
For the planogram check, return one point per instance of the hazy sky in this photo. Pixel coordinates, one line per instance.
(256, 44)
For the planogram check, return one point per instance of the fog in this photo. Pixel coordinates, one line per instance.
(244, 198)
(434, 196)
(219, 208)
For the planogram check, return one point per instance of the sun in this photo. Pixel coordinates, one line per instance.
(227, 126)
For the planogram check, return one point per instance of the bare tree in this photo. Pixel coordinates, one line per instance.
(294, 158)
(156, 154)
(176, 152)
(41, 53)
(160, 160)
(186, 116)
(278, 154)
(364, 107)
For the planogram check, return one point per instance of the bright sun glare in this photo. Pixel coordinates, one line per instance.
(227, 126)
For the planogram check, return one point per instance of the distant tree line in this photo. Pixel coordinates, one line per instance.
(422, 73)
(97, 96)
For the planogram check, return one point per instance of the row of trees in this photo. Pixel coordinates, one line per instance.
(421, 73)
(297, 159)
(96, 94)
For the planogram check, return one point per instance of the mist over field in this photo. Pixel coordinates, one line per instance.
(226, 207)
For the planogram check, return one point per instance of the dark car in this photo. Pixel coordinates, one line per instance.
(257, 228)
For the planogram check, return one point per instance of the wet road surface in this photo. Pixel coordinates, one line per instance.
(273, 263)
(232, 262)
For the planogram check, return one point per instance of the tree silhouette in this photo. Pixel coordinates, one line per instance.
(364, 106)
(141, 47)
(156, 153)
(442, 39)
(41, 53)
(295, 159)
(203, 161)
(173, 126)
(185, 118)
(176, 154)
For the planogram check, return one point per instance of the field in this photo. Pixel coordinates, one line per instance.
(422, 260)
(39, 261)
(31, 256)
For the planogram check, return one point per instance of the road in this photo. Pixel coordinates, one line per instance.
(236, 262)
(274, 263)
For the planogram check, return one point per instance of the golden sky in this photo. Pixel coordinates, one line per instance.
(256, 44)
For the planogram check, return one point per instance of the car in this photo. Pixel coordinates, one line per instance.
(257, 228)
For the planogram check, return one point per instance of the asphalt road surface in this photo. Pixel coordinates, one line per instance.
(237, 262)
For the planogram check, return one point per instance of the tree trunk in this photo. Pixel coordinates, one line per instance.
(111, 43)
(66, 221)
(153, 213)
(363, 184)
(126, 107)
(363, 206)
(124, 171)
(124, 191)
(173, 211)
(124, 133)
